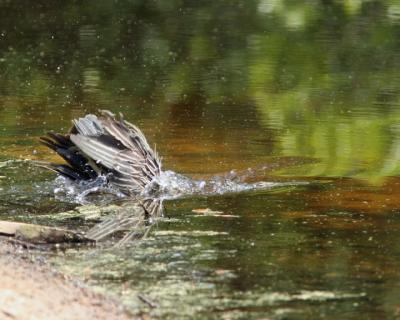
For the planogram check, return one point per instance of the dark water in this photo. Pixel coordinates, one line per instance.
(297, 91)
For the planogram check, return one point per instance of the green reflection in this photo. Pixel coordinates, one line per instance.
(319, 77)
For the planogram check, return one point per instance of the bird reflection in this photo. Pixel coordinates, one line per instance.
(132, 221)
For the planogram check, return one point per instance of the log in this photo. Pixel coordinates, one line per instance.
(38, 234)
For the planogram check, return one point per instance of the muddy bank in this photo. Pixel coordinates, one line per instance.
(32, 290)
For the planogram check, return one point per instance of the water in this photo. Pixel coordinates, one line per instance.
(304, 95)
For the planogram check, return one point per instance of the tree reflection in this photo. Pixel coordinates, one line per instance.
(318, 75)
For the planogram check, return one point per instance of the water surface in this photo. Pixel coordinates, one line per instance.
(296, 91)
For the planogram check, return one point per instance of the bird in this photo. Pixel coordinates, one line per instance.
(107, 146)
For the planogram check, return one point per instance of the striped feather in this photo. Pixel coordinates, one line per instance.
(105, 145)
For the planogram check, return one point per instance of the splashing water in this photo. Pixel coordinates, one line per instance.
(71, 191)
(173, 185)
(169, 185)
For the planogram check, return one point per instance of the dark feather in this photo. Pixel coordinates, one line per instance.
(66, 149)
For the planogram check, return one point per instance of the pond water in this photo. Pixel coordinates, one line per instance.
(305, 94)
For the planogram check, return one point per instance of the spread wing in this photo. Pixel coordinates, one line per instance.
(106, 145)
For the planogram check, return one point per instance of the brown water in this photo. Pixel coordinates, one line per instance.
(296, 91)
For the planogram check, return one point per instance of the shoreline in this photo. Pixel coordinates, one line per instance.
(32, 289)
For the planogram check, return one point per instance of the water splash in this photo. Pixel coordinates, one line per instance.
(84, 192)
(169, 185)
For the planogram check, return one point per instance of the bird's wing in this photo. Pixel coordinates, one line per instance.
(120, 147)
